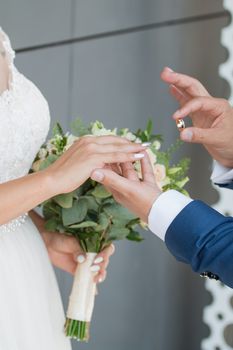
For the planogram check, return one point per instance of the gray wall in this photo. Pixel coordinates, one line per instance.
(111, 72)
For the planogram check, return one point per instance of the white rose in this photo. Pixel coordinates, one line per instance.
(152, 156)
(98, 129)
(156, 145)
(138, 140)
(130, 136)
(160, 174)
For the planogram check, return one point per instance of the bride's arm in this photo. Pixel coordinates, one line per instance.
(63, 250)
(20, 195)
(66, 174)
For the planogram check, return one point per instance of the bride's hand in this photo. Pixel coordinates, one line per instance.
(65, 253)
(75, 166)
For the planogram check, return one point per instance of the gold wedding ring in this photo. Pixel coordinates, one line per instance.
(180, 124)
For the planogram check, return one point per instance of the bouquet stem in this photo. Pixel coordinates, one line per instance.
(81, 302)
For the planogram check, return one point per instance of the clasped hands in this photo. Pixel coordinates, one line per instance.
(212, 120)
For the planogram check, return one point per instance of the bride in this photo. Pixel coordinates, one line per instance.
(31, 313)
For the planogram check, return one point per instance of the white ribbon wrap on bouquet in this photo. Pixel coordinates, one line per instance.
(82, 298)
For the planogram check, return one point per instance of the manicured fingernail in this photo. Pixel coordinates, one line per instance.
(100, 280)
(170, 70)
(139, 155)
(97, 176)
(146, 144)
(186, 135)
(95, 268)
(80, 259)
(99, 260)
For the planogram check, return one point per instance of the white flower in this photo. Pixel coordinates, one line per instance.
(98, 129)
(156, 145)
(138, 140)
(160, 174)
(42, 153)
(50, 147)
(130, 136)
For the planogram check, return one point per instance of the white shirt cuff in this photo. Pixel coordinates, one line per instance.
(164, 210)
(221, 174)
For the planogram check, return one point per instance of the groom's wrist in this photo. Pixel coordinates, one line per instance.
(164, 210)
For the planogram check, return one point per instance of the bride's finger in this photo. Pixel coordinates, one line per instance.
(118, 157)
(116, 147)
(105, 139)
(102, 261)
(129, 172)
(100, 277)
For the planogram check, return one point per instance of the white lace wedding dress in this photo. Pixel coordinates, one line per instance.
(31, 312)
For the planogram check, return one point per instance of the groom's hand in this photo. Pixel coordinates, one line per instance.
(135, 194)
(212, 117)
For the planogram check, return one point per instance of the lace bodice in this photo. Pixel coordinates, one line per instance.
(24, 120)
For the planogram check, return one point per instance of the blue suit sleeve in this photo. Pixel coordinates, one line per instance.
(203, 238)
(229, 185)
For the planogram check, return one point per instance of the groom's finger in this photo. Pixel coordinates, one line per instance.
(215, 107)
(111, 180)
(179, 95)
(191, 85)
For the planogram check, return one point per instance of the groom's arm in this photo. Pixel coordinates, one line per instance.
(194, 232)
(198, 236)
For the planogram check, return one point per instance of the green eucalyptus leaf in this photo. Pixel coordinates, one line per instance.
(78, 128)
(60, 228)
(91, 203)
(134, 236)
(134, 222)
(118, 233)
(92, 216)
(85, 224)
(50, 210)
(51, 224)
(76, 213)
(119, 213)
(109, 200)
(48, 161)
(104, 221)
(101, 192)
(65, 200)
(119, 222)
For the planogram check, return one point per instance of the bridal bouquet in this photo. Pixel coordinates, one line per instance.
(91, 214)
